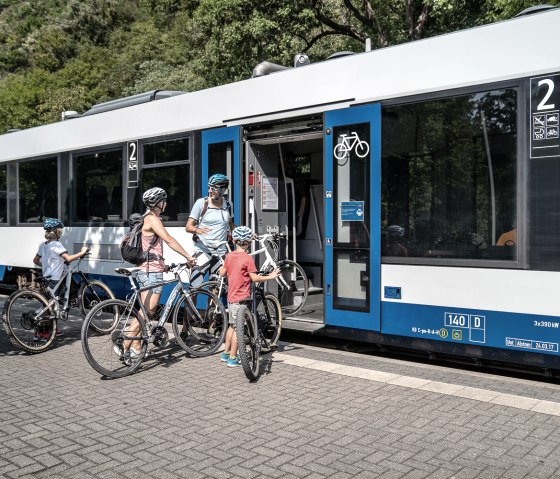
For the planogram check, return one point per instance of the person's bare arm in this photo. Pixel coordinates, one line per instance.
(37, 260)
(71, 257)
(157, 227)
(256, 278)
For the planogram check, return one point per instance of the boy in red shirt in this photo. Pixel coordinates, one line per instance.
(241, 271)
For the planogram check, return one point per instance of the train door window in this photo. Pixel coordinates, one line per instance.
(98, 186)
(220, 160)
(166, 165)
(38, 190)
(3, 194)
(351, 242)
(449, 177)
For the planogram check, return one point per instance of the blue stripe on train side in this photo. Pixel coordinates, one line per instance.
(515, 331)
(2, 272)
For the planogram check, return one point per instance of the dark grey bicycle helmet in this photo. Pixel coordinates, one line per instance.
(154, 196)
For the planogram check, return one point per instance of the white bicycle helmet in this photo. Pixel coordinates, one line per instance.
(242, 233)
(154, 196)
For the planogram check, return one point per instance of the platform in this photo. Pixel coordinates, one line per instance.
(313, 413)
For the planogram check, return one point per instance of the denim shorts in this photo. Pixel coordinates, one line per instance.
(147, 279)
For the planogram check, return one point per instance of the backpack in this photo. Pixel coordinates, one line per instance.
(205, 209)
(203, 212)
(131, 246)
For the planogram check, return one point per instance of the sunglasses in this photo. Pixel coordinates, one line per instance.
(215, 188)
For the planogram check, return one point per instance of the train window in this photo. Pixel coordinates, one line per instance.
(3, 194)
(38, 190)
(98, 186)
(166, 164)
(449, 177)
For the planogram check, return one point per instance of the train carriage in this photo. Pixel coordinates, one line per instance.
(418, 185)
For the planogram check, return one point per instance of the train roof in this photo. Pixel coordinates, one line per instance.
(516, 48)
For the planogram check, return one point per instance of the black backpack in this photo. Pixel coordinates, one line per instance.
(131, 246)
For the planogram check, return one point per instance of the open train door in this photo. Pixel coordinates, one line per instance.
(352, 222)
(221, 154)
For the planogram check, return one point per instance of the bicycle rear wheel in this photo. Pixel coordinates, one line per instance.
(108, 327)
(248, 343)
(92, 293)
(269, 321)
(291, 287)
(25, 328)
(200, 322)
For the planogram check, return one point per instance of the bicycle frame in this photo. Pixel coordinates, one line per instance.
(53, 299)
(134, 299)
(269, 260)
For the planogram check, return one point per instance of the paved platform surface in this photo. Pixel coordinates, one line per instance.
(313, 413)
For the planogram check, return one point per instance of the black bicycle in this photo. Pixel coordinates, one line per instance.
(258, 327)
(30, 316)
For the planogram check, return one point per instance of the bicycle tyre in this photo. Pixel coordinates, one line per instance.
(213, 287)
(269, 321)
(293, 296)
(206, 322)
(248, 343)
(25, 332)
(98, 340)
(92, 293)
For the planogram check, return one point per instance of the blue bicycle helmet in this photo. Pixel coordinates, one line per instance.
(219, 180)
(51, 224)
(242, 233)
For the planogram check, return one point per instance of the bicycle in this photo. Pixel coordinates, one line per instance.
(201, 310)
(258, 326)
(349, 142)
(291, 287)
(30, 316)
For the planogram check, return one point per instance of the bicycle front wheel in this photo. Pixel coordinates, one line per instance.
(92, 293)
(26, 326)
(215, 288)
(109, 328)
(200, 322)
(269, 320)
(291, 287)
(248, 343)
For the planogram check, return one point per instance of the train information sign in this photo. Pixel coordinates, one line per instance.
(544, 121)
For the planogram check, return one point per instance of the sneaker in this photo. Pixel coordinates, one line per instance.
(224, 357)
(129, 356)
(118, 351)
(232, 362)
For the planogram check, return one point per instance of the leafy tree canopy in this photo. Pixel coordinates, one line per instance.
(58, 55)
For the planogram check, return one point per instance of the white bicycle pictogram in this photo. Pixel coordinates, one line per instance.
(349, 143)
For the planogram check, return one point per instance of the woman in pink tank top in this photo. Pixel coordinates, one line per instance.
(155, 200)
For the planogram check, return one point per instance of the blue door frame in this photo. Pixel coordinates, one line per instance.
(346, 317)
(214, 137)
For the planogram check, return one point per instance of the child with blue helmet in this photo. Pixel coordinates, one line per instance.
(52, 256)
(241, 271)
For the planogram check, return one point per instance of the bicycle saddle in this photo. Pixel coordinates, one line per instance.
(127, 271)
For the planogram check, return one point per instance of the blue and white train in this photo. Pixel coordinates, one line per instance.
(418, 185)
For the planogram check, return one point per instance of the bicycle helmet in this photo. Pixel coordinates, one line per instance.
(51, 224)
(219, 180)
(154, 196)
(242, 233)
(395, 230)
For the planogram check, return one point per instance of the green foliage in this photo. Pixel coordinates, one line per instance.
(60, 55)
